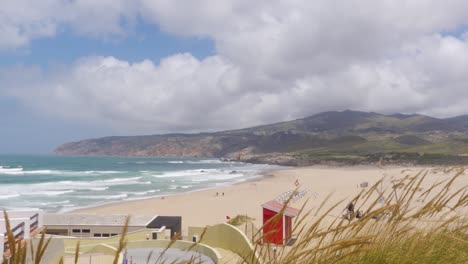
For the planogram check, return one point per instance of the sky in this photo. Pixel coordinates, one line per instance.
(76, 69)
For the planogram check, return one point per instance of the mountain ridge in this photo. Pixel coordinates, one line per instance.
(347, 132)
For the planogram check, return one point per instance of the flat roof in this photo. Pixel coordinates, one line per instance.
(277, 207)
(96, 220)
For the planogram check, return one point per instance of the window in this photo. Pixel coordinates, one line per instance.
(114, 234)
(76, 230)
(85, 231)
(97, 235)
(58, 232)
(105, 235)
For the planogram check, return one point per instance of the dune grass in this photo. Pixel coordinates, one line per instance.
(414, 225)
(17, 250)
(240, 219)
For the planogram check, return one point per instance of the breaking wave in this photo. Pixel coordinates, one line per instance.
(78, 182)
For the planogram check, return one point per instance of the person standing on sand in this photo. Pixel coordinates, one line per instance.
(349, 211)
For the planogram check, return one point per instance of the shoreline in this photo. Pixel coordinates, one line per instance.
(258, 177)
(209, 207)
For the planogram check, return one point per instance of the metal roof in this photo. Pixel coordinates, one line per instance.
(95, 220)
(277, 207)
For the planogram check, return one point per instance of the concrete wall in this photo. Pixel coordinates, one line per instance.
(135, 240)
(227, 237)
(179, 244)
(53, 252)
(93, 229)
(14, 222)
(26, 214)
(131, 236)
(102, 249)
(16, 218)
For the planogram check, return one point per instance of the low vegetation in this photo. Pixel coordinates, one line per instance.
(240, 219)
(347, 132)
(412, 225)
(384, 158)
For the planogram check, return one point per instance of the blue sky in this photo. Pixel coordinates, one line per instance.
(25, 132)
(144, 41)
(72, 70)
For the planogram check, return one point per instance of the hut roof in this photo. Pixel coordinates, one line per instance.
(276, 206)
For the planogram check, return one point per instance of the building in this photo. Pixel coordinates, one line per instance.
(278, 230)
(93, 225)
(24, 224)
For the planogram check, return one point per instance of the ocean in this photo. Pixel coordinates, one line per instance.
(59, 184)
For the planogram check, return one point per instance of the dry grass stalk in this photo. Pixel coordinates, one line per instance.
(388, 233)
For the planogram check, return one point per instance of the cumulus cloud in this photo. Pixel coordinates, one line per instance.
(275, 60)
(22, 21)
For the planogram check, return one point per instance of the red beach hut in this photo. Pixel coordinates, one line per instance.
(278, 231)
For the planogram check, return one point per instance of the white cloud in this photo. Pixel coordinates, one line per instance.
(275, 60)
(22, 21)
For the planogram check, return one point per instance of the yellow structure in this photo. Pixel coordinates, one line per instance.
(227, 237)
(224, 237)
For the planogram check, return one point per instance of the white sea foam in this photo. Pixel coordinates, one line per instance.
(103, 172)
(8, 196)
(200, 180)
(42, 172)
(48, 193)
(62, 187)
(205, 175)
(99, 188)
(144, 193)
(104, 197)
(8, 170)
(21, 171)
(208, 161)
(186, 173)
(90, 186)
(50, 204)
(120, 179)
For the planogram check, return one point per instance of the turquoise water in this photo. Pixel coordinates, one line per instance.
(65, 183)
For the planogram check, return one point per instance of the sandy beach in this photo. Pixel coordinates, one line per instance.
(212, 206)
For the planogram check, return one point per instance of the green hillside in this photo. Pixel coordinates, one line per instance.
(330, 134)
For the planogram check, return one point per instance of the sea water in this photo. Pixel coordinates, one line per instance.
(55, 183)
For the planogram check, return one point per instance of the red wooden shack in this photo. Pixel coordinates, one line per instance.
(278, 231)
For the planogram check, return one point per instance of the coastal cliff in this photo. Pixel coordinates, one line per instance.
(330, 137)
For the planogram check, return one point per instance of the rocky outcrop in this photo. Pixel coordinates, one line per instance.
(347, 137)
(160, 146)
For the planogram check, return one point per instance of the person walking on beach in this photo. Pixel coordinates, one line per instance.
(349, 214)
